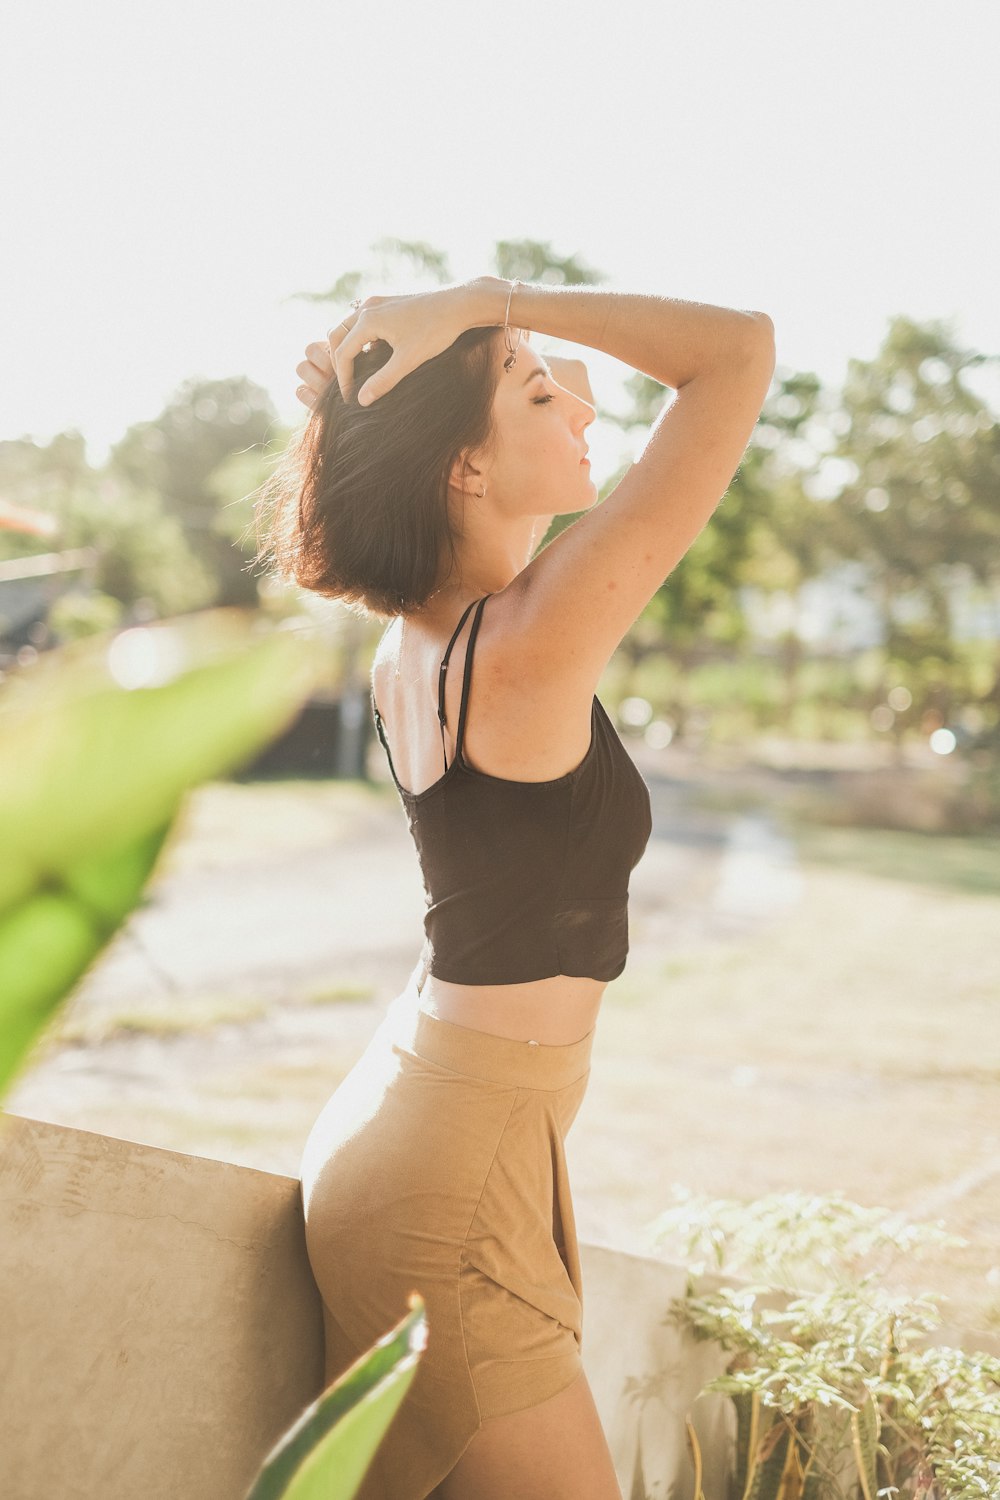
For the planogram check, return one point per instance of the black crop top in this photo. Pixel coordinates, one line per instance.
(526, 879)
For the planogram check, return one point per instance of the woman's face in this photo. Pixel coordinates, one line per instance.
(542, 409)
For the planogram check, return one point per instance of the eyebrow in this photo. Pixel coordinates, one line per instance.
(537, 372)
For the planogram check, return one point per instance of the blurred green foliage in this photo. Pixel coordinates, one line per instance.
(99, 742)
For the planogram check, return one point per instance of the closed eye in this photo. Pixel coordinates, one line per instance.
(541, 400)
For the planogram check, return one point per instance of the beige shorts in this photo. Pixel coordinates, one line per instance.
(438, 1166)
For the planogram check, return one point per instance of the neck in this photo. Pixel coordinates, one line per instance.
(489, 557)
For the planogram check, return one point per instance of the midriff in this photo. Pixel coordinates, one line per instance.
(551, 1011)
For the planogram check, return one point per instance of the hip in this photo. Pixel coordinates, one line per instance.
(429, 1098)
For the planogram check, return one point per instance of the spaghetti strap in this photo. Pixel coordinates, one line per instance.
(466, 678)
(442, 671)
(381, 734)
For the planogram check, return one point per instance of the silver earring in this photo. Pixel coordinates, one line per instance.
(481, 494)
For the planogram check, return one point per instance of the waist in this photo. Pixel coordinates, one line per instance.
(556, 1011)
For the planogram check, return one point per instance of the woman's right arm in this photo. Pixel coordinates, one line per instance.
(578, 598)
(667, 339)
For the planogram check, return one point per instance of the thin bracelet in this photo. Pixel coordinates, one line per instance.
(511, 351)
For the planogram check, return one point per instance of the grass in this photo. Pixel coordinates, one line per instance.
(337, 994)
(870, 970)
(969, 864)
(193, 1016)
(186, 1018)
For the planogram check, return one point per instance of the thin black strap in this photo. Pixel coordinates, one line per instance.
(441, 677)
(378, 725)
(378, 717)
(381, 735)
(467, 677)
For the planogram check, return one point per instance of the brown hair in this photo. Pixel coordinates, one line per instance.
(357, 507)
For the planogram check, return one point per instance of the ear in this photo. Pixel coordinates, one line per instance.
(464, 476)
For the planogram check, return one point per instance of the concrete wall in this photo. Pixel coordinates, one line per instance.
(159, 1326)
(160, 1329)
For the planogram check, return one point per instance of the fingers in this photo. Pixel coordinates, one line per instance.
(319, 355)
(315, 375)
(336, 336)
(372, 389)
(335, 357)
(316, 370)
(348, 346)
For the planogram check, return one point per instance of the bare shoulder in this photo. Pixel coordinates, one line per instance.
(510, 662)
(387, 648)
(520, 725)
(537, 720)
(385, 661)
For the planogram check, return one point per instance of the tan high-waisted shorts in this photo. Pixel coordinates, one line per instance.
(437, 1166)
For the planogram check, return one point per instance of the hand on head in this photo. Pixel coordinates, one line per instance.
(417, 326)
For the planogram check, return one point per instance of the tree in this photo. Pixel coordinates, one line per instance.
(176, 456)
(920, 508)
(142, 554)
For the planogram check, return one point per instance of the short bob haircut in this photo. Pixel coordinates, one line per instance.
(357, 508)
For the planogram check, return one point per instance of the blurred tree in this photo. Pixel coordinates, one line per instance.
(176, 456)
(142, 554)
(920, 506)
(781, 543)
(535, 260)
(52, 477)
(386, 255)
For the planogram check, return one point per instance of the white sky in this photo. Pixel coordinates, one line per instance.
(172, 174)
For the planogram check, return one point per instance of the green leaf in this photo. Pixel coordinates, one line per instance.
(326, 1453)
(48, 941)
(99, 742)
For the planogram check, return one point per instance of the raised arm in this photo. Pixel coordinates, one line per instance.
(578, 597)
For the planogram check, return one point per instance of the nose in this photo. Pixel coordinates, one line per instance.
(578, 403)
(571, 375)
(584, 409)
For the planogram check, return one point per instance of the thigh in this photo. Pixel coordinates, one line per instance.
(556, 1450)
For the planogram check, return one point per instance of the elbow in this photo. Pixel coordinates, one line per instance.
(761, 346)
(762, 319)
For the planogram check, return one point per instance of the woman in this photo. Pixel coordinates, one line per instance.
(438, 449)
